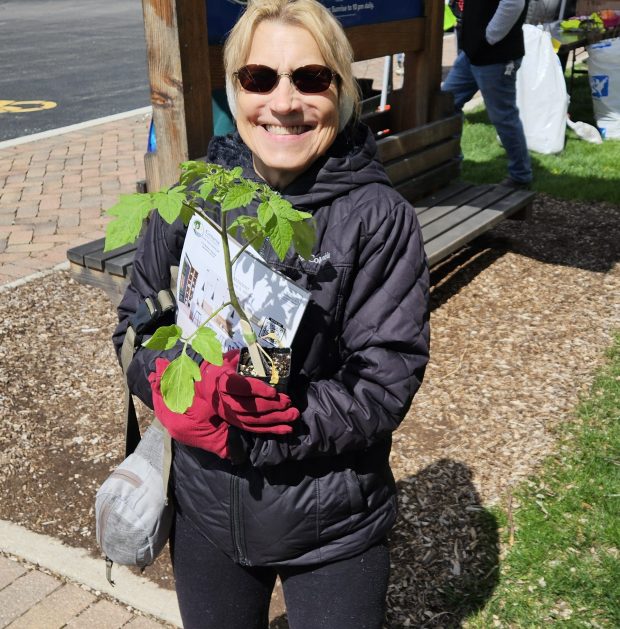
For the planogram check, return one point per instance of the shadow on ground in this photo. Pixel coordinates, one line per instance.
(444, 550)
(580, 235)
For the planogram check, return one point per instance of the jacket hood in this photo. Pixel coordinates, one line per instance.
(350, 162)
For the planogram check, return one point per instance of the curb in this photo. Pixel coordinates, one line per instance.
(74, 127)
(62, 266)
(78, 566)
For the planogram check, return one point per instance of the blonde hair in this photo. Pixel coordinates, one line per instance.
(319, 22)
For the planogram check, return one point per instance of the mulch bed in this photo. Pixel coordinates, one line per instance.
(520, 322)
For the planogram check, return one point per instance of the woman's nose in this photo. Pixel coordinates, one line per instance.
(284, 95)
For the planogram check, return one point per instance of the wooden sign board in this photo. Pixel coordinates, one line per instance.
(222, 14)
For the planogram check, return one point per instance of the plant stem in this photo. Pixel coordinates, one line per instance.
(238, 254)
(204, 323)
(246, 326)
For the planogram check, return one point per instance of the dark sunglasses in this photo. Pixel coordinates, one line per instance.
(307, 79)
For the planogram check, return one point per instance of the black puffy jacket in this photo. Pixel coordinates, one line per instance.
(326, 491)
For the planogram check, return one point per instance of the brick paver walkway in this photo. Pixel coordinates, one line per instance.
(54, 191)
(32, 599)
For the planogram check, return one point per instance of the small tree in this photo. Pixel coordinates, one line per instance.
(204, 189)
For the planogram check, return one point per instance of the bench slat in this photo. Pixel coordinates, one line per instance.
(395, 146)
(449, 241)
(418, 163)
(113, 285)
(478, 198)
(420, 186)
(441, 195)
(467, 197)
(97, 259)
(76, 254)
(119, 265)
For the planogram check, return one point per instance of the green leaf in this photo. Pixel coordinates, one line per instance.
(281, 236)
(303, 238)
(236, 172)
(138, 201)
(296, 216)
(169, 204)
(239, 195)
(129, 213)
(186, 214)
(284, 209)
(251, 230)
(206, 344)
(177, 383)
(165, 337)
(205, 189)
(265, 213)
(193, 170)
(280, 206)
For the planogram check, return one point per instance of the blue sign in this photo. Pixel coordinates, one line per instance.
(600, 85)
(222, 14)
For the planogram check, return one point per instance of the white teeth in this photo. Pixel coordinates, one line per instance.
(277, 130)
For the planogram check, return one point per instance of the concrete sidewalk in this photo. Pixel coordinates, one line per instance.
(54, 190)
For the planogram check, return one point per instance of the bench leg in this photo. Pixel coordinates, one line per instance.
(523, 214)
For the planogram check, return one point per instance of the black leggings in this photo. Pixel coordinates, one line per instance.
(216, 593)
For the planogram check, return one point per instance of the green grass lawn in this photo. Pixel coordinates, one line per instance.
(561, 539)
(581, 171)
(563, 565)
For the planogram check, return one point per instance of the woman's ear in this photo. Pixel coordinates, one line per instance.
(231, 97)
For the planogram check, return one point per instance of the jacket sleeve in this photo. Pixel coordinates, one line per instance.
(384, 349)
(151, 273)
(507, 15)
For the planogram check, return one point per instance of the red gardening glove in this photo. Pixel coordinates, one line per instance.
(199, 426)
(248, 403)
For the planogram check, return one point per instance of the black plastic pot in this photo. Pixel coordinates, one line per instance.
(282, 357)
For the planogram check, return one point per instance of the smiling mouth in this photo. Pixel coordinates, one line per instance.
(292, 130)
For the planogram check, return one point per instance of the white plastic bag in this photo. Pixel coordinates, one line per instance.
(604, 73)
(541, 93)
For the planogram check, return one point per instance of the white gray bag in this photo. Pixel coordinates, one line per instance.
(132, 509)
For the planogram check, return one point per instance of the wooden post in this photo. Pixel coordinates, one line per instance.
(178, 64)
(422, 72)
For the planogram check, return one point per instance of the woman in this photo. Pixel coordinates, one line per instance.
(314, 498)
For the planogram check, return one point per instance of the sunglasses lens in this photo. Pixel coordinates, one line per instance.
(262, 79)
(312, 79)
(258, 79)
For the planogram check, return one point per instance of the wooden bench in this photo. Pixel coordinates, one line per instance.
(422, 163)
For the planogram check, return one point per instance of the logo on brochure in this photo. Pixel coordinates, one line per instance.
(198, 227)
(600, 85)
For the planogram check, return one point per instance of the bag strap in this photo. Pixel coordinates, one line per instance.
(161, 304)
(164, 302)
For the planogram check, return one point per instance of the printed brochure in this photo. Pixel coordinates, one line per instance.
(273, 302)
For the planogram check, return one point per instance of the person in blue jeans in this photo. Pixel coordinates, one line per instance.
(490, 52)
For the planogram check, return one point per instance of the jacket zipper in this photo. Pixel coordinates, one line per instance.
(235, 508)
